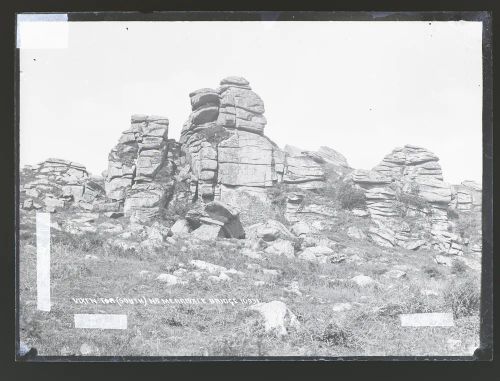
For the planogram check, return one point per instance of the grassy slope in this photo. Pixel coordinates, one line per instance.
(371, 327)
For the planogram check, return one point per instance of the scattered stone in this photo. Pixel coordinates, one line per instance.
(382, 236)
(414, 245)
(270, 272)
(32, 193)
(277, 317)
(53, 202)
(251, 254)
(341, 307)
(269, 231)
(253, 266)
(427, 292)
(180, 227)
(113, 214)
(293, 288)
(86, 349)
(281, 247)
(301, 228)
(86, 217)
(395, 274)
(355, 232)
(206, 266)
(363, 280)
(208, 232)
(144, 273)
(28, 204)
(234, 272)
(454, 344)
(337, 258)
(442, 260)
(223, 277)
(319, 254)
(169, 279)
(110, 228)
(360, 213)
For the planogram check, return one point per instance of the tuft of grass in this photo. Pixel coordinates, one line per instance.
(458, 268)
(350, 197)
(452, 214)
(432, 271)
(463, 296)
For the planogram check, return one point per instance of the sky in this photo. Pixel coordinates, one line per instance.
(361, 88)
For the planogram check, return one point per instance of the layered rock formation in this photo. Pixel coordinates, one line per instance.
(139, 172)
(409, 178)
(228, 152)
(467, 196)
(58, 183)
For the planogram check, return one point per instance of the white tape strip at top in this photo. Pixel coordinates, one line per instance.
(42, 31)
(43, 261)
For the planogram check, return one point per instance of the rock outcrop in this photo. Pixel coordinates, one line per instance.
(57, 184)
(409, 182)
(140, 174)
(467, 196)
(227, 150)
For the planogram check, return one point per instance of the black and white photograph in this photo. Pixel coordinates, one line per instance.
(263, 189)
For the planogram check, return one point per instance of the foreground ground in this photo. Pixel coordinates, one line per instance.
(366, 324)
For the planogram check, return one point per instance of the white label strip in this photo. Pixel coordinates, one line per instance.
(43, 261)
(42, 31)
(101, 321)
(427, 320)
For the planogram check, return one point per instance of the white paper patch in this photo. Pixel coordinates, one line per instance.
(101, 321)
(43, 261)
(42, 31)
(427, 320)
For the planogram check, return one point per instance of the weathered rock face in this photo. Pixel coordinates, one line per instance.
(140, 172)
(302, 170)
(467, 196)
(324, 155)
(411, 172)
(410, 162)
(58, 184)
(227, 151)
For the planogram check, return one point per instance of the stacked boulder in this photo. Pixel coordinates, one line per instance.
(227, 151)
(139, 173)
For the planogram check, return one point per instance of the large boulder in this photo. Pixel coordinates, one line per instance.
(222, 219)
(277, 317)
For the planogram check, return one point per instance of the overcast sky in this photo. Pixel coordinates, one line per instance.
(362, 88)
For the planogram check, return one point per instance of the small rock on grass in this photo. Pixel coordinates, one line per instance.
(340, 307)
(169, 279)
(363, 280)
(276, 316)
(395, 274)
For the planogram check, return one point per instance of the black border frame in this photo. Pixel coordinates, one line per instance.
(485, 352)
